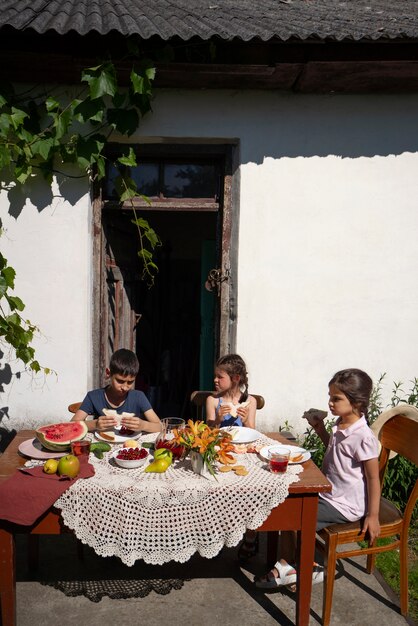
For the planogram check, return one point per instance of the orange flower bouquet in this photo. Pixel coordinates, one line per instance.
(212, 444)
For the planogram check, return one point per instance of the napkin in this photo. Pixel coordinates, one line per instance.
(30, 492)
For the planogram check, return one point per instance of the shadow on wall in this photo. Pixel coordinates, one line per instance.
(350, 126)
(40, 193)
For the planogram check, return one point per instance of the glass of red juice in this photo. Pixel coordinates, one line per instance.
(80, 448)
(279, 461)
(165, 437)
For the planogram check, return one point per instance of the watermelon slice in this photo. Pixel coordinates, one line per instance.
(58, 437)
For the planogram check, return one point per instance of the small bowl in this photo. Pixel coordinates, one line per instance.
(131, 464)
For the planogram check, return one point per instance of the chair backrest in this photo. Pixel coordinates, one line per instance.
(73, 408)
(400, 434)
(198, 398)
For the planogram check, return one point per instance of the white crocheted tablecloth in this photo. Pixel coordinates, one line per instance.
(162, 517)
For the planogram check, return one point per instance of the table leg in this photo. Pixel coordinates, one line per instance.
(272, 545)
(306, 555)
(7, 578)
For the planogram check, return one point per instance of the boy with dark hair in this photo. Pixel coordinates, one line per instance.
(120, 396)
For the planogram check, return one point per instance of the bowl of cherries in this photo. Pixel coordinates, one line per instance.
(130, 458)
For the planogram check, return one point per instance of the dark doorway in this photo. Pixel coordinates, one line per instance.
(177, 327)
(167, 317)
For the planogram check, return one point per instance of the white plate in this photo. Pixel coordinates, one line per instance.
(242, 434)
(118, 438)
(265, 452)
(34, 450)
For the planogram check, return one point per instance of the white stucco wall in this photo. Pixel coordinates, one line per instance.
(50, 249)
(327, 247)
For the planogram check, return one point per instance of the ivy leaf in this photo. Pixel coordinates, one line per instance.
(14, 320)
(89, 150)
(126, 188)
(138, 82)
(61, 123)
(9, 275)
(43, 147)
(3, 286)
(152, 237)
(129, 160)
(145, 254)
(3, 101)
(25, 354)
(35, 366)
(5, 121)
(145, 199)
(89, 110)
(141, 223)
(4, 156)
(17, 116)
(24, 134)
(22, 172)
(149, 69)
(101, 167)
(51, 105)
(15, 303)
(101, 80)
(125, 121)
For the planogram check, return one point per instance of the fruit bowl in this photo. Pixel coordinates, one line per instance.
(130, 458)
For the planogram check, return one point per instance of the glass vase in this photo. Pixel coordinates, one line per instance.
(198, 465)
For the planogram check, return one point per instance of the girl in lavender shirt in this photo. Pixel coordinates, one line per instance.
(350, 464)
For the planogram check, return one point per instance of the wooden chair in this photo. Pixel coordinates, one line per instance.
(73, 408)
(400, 435)
(198, 399)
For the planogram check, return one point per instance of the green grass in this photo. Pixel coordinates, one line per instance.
(388, 565)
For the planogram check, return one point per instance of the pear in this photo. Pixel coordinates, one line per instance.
(159, 466)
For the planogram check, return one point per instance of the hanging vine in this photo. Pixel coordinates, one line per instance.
(43, 133)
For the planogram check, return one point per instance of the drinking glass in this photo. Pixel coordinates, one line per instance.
(80, 448)
(279, 461)
(166, 435)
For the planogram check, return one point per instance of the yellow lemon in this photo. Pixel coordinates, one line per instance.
(159, 466)
(51, 466)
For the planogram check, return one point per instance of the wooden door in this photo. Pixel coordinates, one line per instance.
(117, 316)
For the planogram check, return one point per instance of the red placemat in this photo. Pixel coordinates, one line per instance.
(30, 492)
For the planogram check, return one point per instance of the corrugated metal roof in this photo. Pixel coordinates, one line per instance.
(228, 19)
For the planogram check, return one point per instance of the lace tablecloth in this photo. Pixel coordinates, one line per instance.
(162, 517)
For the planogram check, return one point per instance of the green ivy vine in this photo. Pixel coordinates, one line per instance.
(44, 132)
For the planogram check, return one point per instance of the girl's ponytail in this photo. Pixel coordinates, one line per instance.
(244, 394)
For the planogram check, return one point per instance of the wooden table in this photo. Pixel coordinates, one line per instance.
(298, 513)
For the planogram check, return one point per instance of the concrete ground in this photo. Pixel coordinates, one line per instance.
(66, 590)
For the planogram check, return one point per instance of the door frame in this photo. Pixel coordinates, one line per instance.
(229, 151)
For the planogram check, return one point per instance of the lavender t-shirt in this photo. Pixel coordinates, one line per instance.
(343, 466)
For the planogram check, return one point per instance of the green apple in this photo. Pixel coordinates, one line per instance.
(161, 453)
(68, 465)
